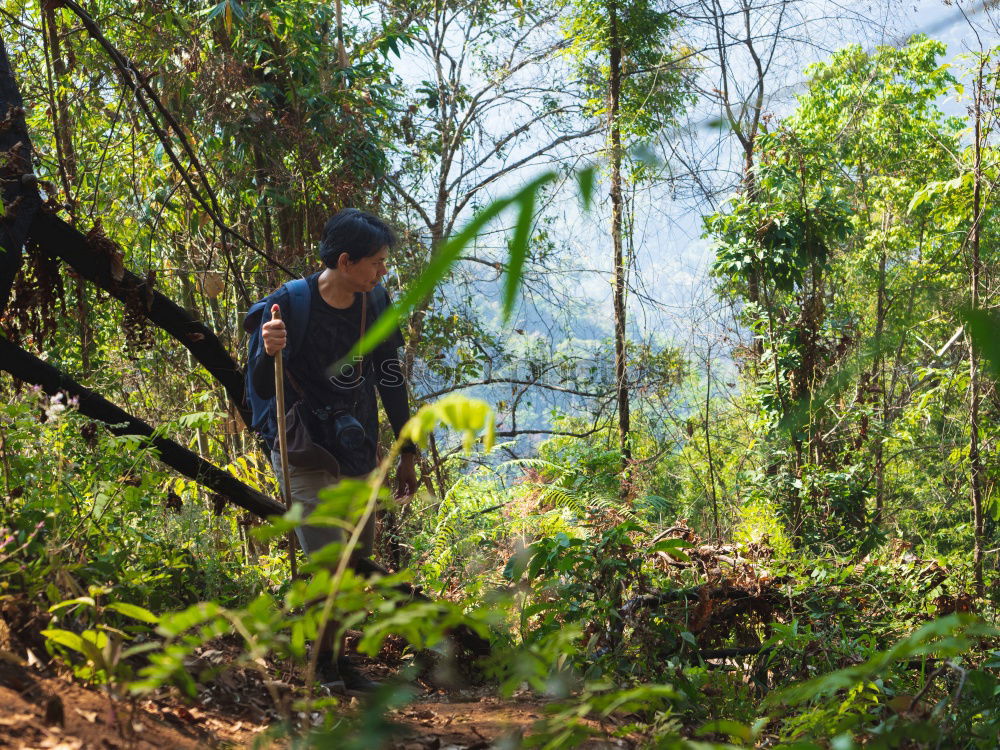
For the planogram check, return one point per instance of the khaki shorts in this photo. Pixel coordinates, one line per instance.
(305, 487)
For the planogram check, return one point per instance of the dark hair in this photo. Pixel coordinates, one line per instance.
(357, 233)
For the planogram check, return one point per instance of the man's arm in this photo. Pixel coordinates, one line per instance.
(392, 391)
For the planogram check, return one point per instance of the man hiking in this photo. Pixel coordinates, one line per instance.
(337, 410)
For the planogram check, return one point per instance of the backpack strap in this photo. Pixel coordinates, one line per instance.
(379, 299)
(254, 316)
(297, 314)
(299, 298)
(361, 335)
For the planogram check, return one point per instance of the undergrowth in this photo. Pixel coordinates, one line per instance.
(628, 624)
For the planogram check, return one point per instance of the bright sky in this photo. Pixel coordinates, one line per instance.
(672, 260)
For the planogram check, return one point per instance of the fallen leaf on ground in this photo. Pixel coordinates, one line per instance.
(9, 721)
(90, 716)
(183, 713)
(55, 743)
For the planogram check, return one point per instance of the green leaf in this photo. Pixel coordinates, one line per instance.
(643, 697)
(66, 638)
(984, 329)
(298, 642)
(342, 504)
(518, 250)
(734, 729)
(134, 611)
(919, 198)
(673, 548)
(89, 644)
(586, 180)
(278, 526)
(215, 10)
(469, 416)
(175, 624)
(85, 600)
(197, 420)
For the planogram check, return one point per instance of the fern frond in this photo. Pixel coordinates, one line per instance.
(529, 463)
(563, 497)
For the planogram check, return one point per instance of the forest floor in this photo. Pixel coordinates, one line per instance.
(43, 706)
(58, 714)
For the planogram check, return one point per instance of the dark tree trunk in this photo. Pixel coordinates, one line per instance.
(30, 369)
(17, 186)
(880, 314)
(620, 267)
(976, 468)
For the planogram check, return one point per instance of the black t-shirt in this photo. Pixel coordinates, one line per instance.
(330, 335)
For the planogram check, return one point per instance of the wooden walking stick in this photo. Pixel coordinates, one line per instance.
(279, 402)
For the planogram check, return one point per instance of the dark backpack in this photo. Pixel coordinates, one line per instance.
(295, 313)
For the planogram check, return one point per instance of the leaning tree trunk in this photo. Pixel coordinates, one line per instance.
(98, 260)
(30, 369)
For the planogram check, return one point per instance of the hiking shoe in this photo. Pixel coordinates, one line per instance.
(353, 679)
(328, 675)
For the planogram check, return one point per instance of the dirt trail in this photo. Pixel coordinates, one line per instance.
(58, 714)
(61, 715)
(43, 706)
(465, 722)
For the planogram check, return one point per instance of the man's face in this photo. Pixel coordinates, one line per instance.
(367, 272)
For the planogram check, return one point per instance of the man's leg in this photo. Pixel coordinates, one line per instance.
(304, 487)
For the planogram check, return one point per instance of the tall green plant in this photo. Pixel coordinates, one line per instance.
(847, 279)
